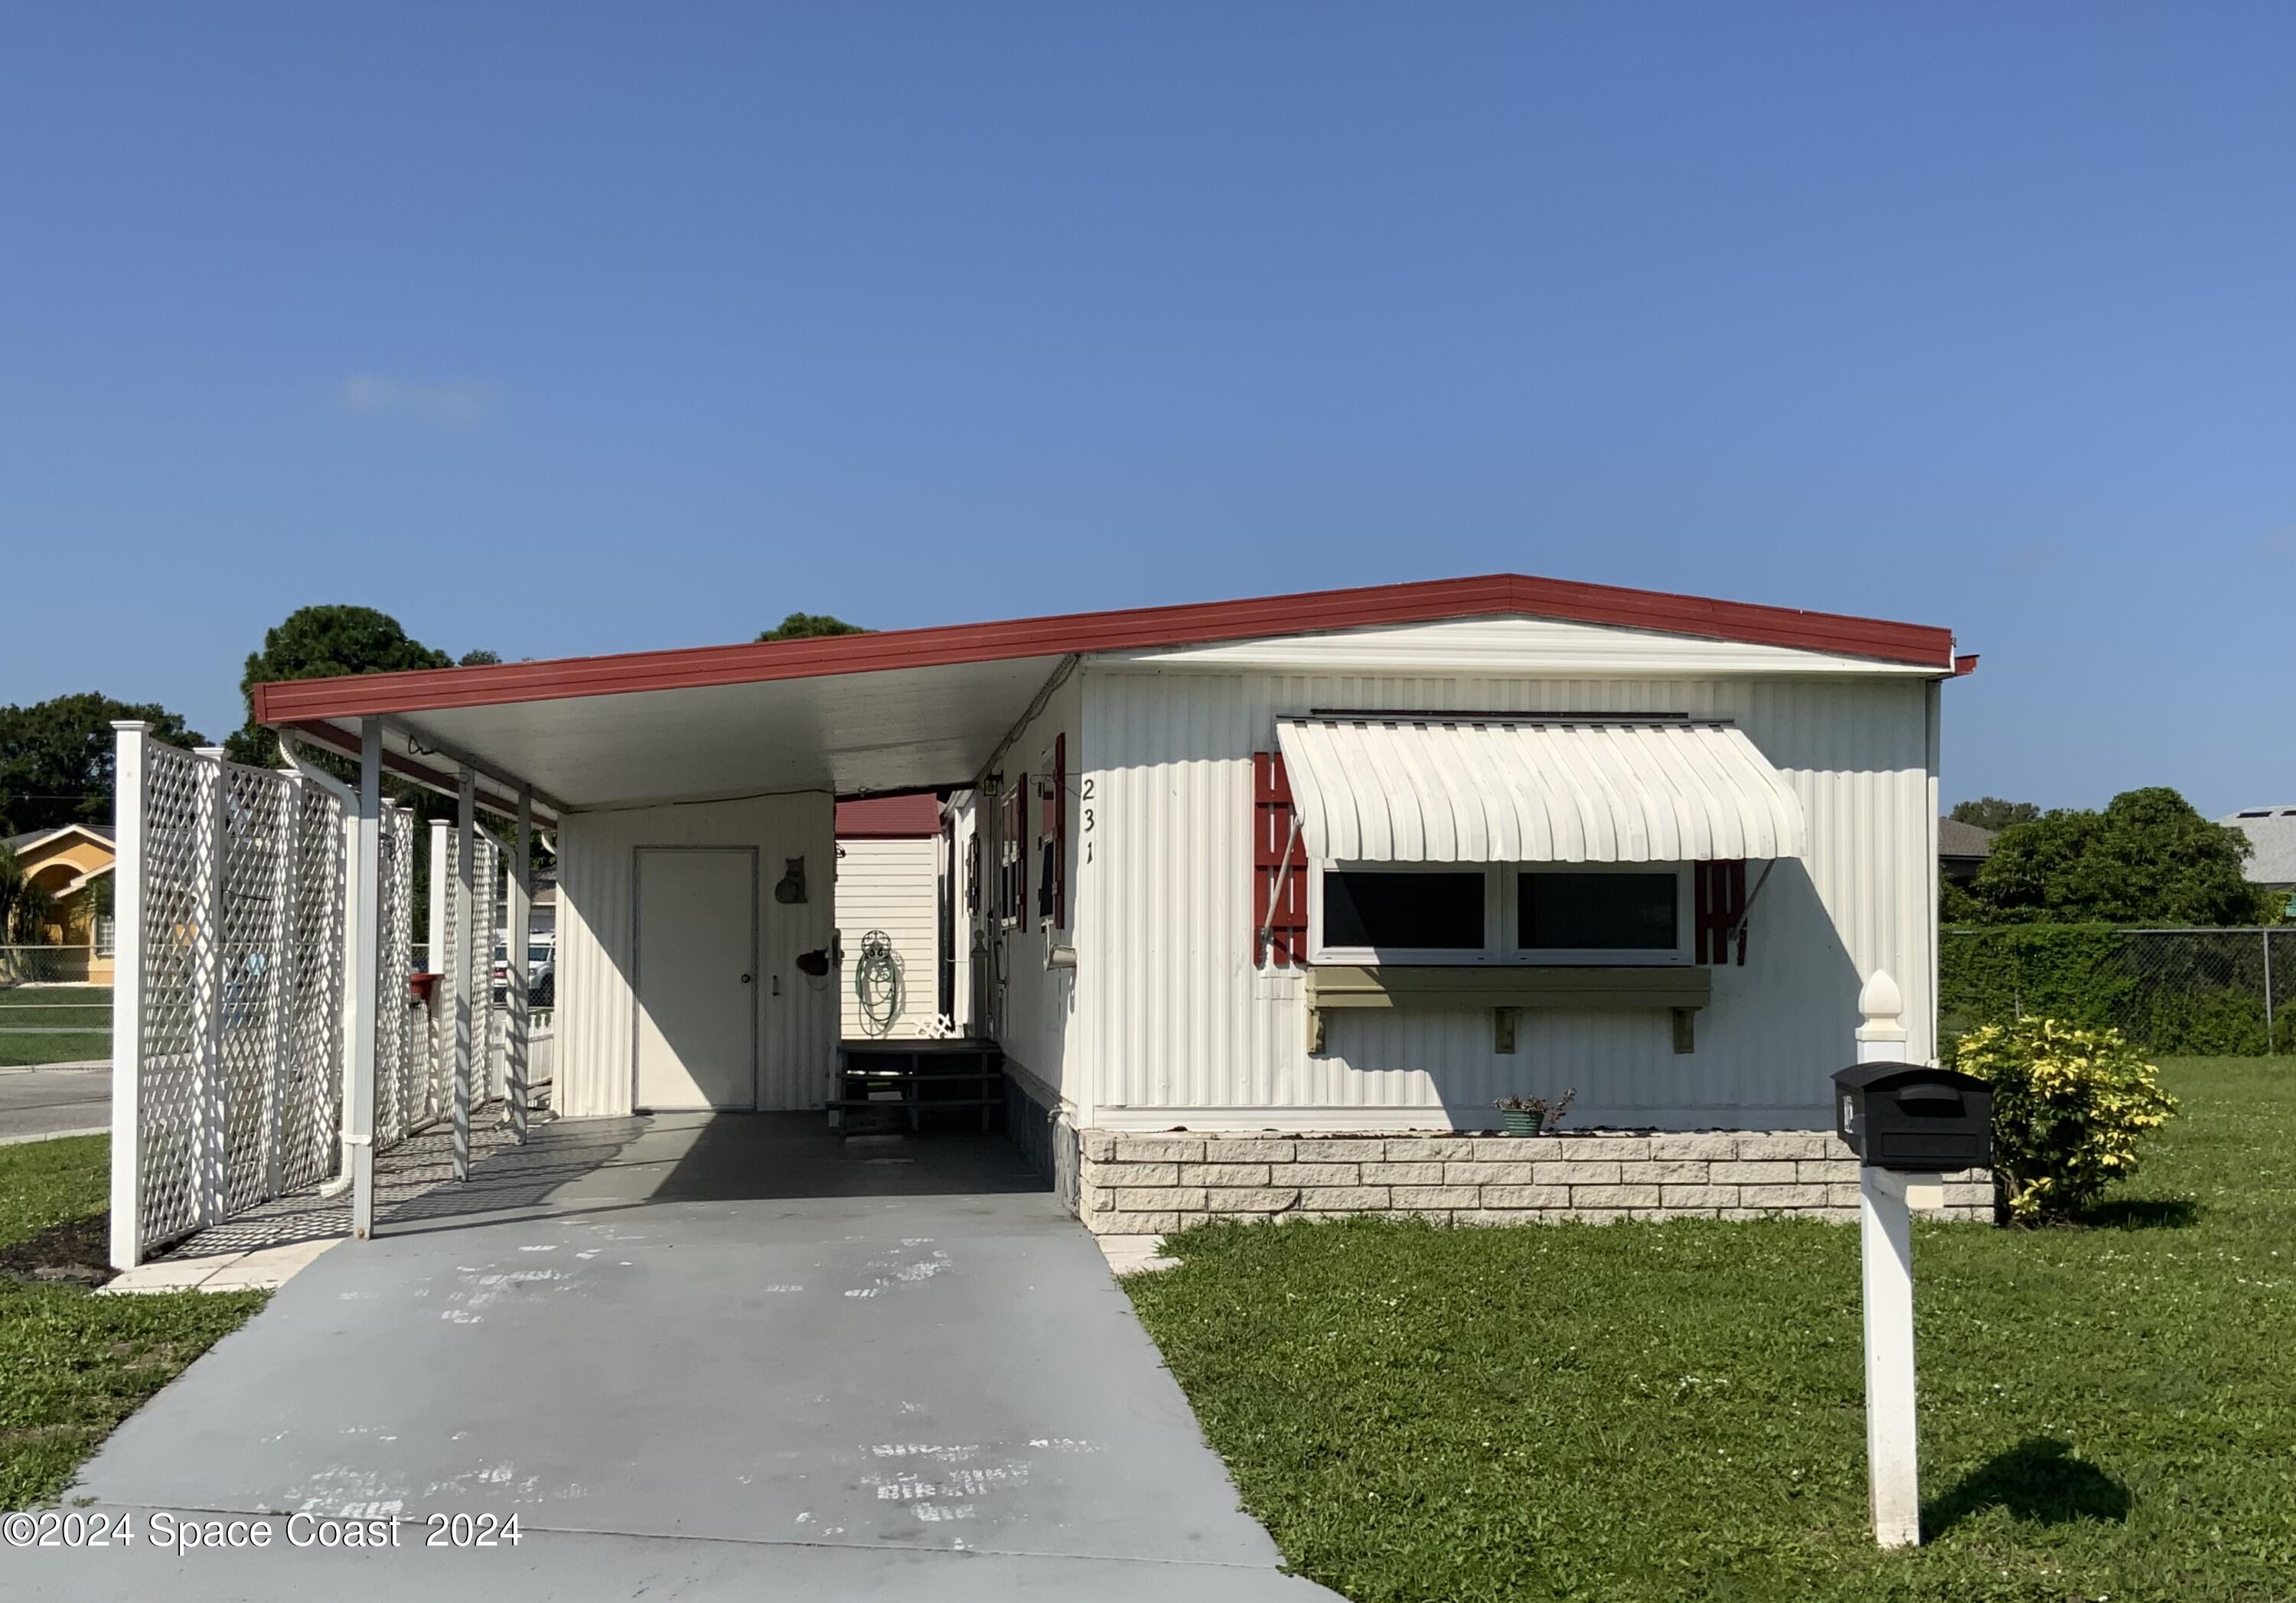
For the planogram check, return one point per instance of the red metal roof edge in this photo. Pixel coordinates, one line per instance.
(1199, 623)
(912, 817)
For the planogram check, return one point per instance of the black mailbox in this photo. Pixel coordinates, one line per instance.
(1909, 1117)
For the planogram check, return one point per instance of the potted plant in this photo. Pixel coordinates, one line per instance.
(1533, 1116)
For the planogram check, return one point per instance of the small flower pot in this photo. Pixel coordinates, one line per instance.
(1517, 1121)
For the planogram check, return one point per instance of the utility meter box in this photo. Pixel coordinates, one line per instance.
(1912, 1117)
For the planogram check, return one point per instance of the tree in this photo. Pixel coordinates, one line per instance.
(810, 625)
(1991, 812)
(2147, 858)
(323, 643)
(56, 758)
(25, 908)
(479, 659)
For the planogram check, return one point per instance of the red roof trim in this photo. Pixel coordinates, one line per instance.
(1133, 629)
(914, 817)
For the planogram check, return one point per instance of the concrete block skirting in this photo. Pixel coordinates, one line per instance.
(1146, 1185)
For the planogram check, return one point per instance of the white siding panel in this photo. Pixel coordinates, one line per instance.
(1034, 1011)
(893, 885)
(796, 1029)
(1177, 1019)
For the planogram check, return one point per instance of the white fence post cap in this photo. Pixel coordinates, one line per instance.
(1884, 1004)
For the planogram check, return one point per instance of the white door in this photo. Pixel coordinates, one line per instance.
(697, 941)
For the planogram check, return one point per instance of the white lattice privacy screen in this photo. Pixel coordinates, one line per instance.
(229, 1021)
(488, 1039)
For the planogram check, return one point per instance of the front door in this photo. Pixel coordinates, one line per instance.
(697, 942)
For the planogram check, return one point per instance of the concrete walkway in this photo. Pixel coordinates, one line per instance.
(695, 1358)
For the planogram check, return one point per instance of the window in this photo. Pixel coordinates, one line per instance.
(1504, 913)
(1563, 912)
(1012, 854)
(1389, 910)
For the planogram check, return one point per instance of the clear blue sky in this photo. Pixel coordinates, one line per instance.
(565, 329)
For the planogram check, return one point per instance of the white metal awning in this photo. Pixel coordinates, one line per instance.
(1376, 788)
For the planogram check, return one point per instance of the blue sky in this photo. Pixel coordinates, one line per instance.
(568, 329)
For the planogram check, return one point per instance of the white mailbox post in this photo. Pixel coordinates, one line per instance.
(1886, 1199)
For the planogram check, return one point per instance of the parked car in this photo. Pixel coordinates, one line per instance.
(541, 958)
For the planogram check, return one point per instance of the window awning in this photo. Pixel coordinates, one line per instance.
(1373, 789)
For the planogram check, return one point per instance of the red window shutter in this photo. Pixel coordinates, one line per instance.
(1283, 914)
(1061, 831)
(1721, 904)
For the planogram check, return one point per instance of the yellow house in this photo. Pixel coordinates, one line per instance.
(70, 863)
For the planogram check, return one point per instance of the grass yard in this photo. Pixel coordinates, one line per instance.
(74, 1364)
(83, 1011)
(1676, 1410)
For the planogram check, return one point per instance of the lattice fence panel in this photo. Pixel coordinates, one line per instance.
(488, 1050)
(256, 865)
(236, 977)
(399, 1050)
(311, 1095)
(487, 1062)
(177, 1003)
(439, 1088)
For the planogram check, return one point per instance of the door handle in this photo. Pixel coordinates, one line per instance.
(745, 979)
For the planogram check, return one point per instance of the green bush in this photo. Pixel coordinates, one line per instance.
(2069, 1106)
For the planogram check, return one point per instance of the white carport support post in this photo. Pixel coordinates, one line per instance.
(521, 919)
(466, 915)
(1886, 1199)
(434, 949)
(128, 997)
(364, 961)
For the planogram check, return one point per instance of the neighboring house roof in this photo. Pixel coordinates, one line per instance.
(889, 818)
(2272, 830)
(101, 833)
(1959, 839)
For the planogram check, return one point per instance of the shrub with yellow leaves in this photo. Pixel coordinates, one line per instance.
(2069, 1106)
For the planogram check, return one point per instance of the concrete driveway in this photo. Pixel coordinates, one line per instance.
(695, 1358)
(39, 1102)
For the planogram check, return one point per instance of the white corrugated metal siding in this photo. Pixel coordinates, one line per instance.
(893, 885)
(1033, 1009)
(797, 1028)
(1175, 1026)
(1459, 790)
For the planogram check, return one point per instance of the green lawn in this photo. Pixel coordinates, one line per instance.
(1675, 1411)
(73, 1364)
(86, 1011)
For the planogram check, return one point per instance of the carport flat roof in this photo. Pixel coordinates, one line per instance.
(910, 709)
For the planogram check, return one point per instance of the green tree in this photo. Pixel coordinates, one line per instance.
(810, 625)
(323, 643)
(56, 758)
(25, 908)
(2147, 858)
(1991, 812)
(479, 659)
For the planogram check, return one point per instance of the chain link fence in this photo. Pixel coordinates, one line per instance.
(47, 965)
(2224, 993)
